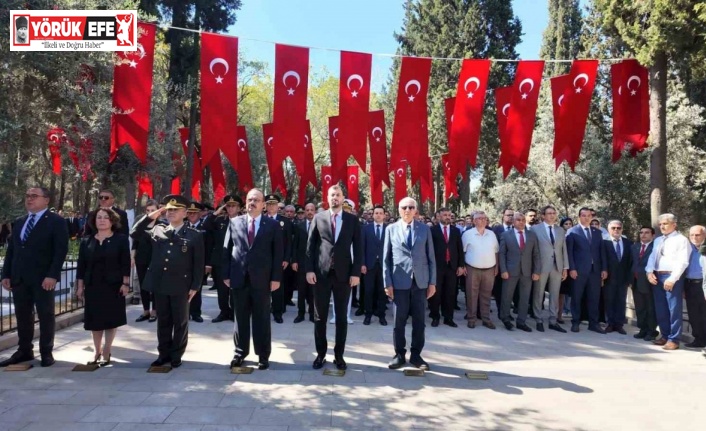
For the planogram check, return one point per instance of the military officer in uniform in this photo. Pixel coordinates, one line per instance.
(174, 276)
(272, 203)
(194, 221)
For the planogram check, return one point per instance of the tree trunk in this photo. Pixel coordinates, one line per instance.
(87, 197)
(130, 193)
(658, 137)
(62, 192)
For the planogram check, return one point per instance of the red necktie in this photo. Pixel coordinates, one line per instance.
(251, 233)
(522, 240)
(446, 238)
(642, 251)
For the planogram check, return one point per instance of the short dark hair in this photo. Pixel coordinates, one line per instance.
(114, 219)
(648, 227)
(107, 191)
(530, 209)
(508, 209)
(378, 206)
(584, 209)
(544, 210)
(45, 191)
(151, 202)
(442, 209)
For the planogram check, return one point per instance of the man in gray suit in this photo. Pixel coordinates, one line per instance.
(519, 264)
(554, 267)
(409, 267)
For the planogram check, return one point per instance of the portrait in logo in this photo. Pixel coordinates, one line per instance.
(21, 30)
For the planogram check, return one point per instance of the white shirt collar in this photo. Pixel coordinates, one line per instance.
(257, 219)
(38, 214)
(549, 225)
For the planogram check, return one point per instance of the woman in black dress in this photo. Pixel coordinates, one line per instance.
(141, 257)
(565, 289)
(103, 276)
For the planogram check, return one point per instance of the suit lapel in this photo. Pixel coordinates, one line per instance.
(416, 233)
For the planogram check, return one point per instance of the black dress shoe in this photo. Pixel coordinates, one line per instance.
(383, 321)
(359, 312)
(641, 334)
(524, 327)
(340, 363)
(574, 327)
(142, 318)
(16, 358)
(197, 319)
(263, 364)
(695, 345)
(176, 363)
(540, 327)
(557, 328)
(509, 326)
(237, 361)
(160, 362)
(651, 337)
(355, 304)
(299, 318)
(278, 319)
(397, 362)
(153, 319)
(596, 329)
(366, 321)
(290, 303)
(231, 317)
(319, 362)
(419, 363)
(457, 308)
(219, 318)
(47, 360)
(212, 288)
(450, 322)
(620, 330)
(434, 323)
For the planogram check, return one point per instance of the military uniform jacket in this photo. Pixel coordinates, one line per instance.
(177, 264)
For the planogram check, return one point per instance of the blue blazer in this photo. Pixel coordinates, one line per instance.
(372, 247)
(400, 264)
(584, 256)
(262, 262)
(619, 270)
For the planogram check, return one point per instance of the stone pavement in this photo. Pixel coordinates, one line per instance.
(546, 381)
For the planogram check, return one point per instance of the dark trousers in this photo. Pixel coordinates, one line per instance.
(696, 308)
(146, 297)
(409, 302)
(498, 292)
(223, 291)
(374, 297)
(445, 296)
(252, 302)
(291, 284)
(26, 298)
(669, 308)
(195, 304)
(590, 286)
(278, 302)
(305, 294)
(521, 284)
(615, 297)
(325, 285)
(645, 310)
(172, 325)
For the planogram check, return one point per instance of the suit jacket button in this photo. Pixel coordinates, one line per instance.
(166, 260)
(171, 243)
(165, 269)
(169, 251)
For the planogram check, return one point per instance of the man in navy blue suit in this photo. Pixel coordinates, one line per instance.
(587, 267)
(618, 251)
(373, 240)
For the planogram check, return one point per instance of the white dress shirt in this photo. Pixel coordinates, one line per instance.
(37, 216)
(517, 236)
(670, 253)
(404, 228)
(480, 250)
(615, 247)
(339, 221)
(258, 219)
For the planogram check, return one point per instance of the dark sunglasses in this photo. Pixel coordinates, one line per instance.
(104, 198)
(616, 228)
(409, 207)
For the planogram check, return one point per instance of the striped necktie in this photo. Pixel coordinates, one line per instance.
(28, 229)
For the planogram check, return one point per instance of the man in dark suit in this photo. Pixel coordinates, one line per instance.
(332, 268)
(641, 287)
(618, 251)
(449, 266)
(520, 263)
(252, 259)
(410, 280)
(72, 225)
(194, 221)
(174, 276)
(373, 240)
(106, 199)
(305, 291)
(506, 225)
(35, 255)
(272, 203)
(587, 267)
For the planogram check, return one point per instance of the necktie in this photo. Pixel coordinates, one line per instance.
(588, 234)
(409, 236)
(377, 233)
(251, 233)
(617, 249)
(642, 251)
(28, 229)
(522, 240)
(508, 228)
(307, 225)
(551, 234)
(333, 226)
(446, 238)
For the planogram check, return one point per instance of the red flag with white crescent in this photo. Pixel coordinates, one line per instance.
(308, 174)
(326, 182)
(144, 186)
(132, 95)
(376, 194)
(561, 150)
(400, 171)
(277, 180)
(218, 179)
(354, 99)
(468, 115)
(450, 188)
(175, 188)
(631, 111)
(338, 163)
(577, 104)
(410, 137)
(244, 169)
(427, 184)
(219, 93)
(56, 136)
(523, 111)
(352, 184)
(449, 105)
(503, 95)
(378, 148)
(196, 171)
(289, 114)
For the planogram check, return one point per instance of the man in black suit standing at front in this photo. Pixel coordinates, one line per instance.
(374, 297)
(252, 259)
(641, 287)
(35, 255)
(305, 291)
(448, 251)
(272, 203)
(331, 267)
(618, 251)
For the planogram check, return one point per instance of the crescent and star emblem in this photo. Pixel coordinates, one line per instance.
(290, 91)
(54, 137)
(352, 179)
(400, 172)
(244, 145)
(306, 140)
(505, 108)
(560, 100)
(327, 178)
(522, 84)
(215, 61)
(269, 141)
(474, 80)
(335, 133)
(355, 77)
(452, 118)
(412, 83)
(639, 83)
(141, 50)
(579, 77)
(377, 137)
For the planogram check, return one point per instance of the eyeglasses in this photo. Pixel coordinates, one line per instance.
(33, 196)
(616, 228)
(408, 207)
(104, 198)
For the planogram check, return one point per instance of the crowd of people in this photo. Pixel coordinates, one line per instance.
(534, 264)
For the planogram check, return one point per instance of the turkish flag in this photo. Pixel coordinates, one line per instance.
(449, 105)
(354, 99)
(196, 171)
(338, 163)
(450, 188)
(308, 174)
(352, 184)
(502, 108)
(427, 184)
(400, 181)
(410, 137)
(244, 169)
(178, 169)
(144, 186)
(379, 171)
(561, 151)
(523, 111)
(576, 106)
(326, 183)
(376, 195)
(132, 95)
(289, 115)
(219, 93)
(218, 178)
(468, 115)
(631, 107)
(56, 136)
(277, 180)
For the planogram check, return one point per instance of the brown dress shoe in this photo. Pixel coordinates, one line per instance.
(488, 324)
(608, 329)
(660, 342)
(671, 345)
(471, 324)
